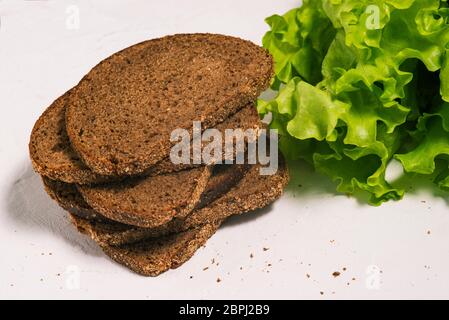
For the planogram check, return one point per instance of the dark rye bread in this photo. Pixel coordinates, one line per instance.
(149, 202)
(119, 116)
(50, 150)
(158, 255)
(154, 256)
(252, 192)
(109, 232)
(69, 198)
(223, 179)
(53, 157)
(245, 119)
(112, 233)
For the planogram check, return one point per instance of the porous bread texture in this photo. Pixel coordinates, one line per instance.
(153, 256)
(149, 202)
(156, 87)
(252, 192)
(102, 148)
(69, 198)
(51, 153)
(110, 232)
(245, 119)
(53, 157)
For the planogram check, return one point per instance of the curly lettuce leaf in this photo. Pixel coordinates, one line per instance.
(299, 41)
(353, 77)
(433, 142)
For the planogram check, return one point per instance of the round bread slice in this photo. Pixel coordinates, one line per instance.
(252, 192)
(113, 233)
(156, 256)
(245, 119)
(120, 115)
(53, 157)
(50, 150)
(149, 202)
(110, 232)
(69, 198)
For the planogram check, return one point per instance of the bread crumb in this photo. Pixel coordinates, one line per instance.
(336, 274)
(251, 255)
(308, 276)
(322, 293)
(266, 249)
(206, 268)
(218, 280)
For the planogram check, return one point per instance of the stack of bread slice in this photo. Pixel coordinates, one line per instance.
(103, 148)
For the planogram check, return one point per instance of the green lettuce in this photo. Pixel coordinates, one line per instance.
(359, 83)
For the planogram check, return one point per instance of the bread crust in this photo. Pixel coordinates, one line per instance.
(154, 256)
(155, 87)
(52, 155)
(113, 233)
(149, 202)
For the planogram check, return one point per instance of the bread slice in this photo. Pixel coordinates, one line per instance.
(154, 256)
(69, 198)
(121, 114)
(112, 233)
(253, 191)
(149, 202)
(245, 119)
(53, 157)
(50, 150)
(107, 231)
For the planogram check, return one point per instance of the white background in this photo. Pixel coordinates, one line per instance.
(400, 250)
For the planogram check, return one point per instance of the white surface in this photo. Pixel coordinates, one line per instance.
(309, 231)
